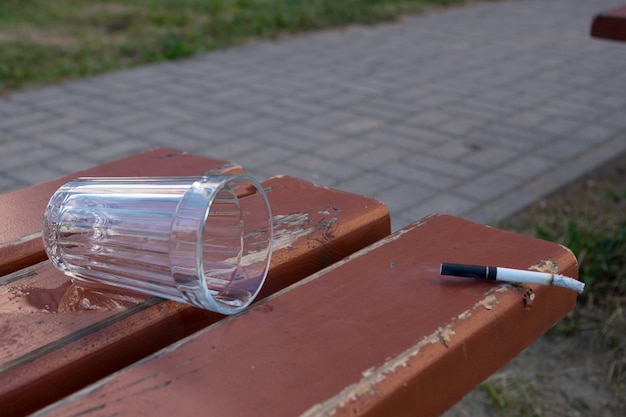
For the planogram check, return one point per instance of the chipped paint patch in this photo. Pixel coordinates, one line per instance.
(545, 265)
(288, 228)
(464, 315)
(368, 372)
(528, 299)
(445, 335)
(224, 169)
(488, 302)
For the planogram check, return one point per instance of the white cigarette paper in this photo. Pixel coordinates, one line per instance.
(512, 275)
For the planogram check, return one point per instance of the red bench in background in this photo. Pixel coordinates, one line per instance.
(610, 24)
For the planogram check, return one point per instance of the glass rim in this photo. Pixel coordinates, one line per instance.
(217, 183)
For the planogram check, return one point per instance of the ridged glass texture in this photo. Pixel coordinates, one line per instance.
(205, 241)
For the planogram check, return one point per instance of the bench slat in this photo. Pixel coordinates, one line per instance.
(378, 334)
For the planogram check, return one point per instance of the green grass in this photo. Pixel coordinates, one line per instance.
(589, 218)
(515, 397)
(601, 254)
(600, 248)
(45, 41)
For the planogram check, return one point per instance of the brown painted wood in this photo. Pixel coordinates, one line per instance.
(22, 210)
(378, 334)
(56, 337)
(610, 24)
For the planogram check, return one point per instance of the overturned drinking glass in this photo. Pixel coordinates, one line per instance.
(205, 241)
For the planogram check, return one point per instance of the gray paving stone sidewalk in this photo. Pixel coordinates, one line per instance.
(475, 111)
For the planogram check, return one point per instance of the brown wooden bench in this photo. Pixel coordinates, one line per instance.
(372, 329)
(53, 345)
(610, 24)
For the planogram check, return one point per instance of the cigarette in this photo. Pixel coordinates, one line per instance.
(512, 275)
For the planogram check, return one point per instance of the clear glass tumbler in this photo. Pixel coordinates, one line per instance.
(205, 241)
